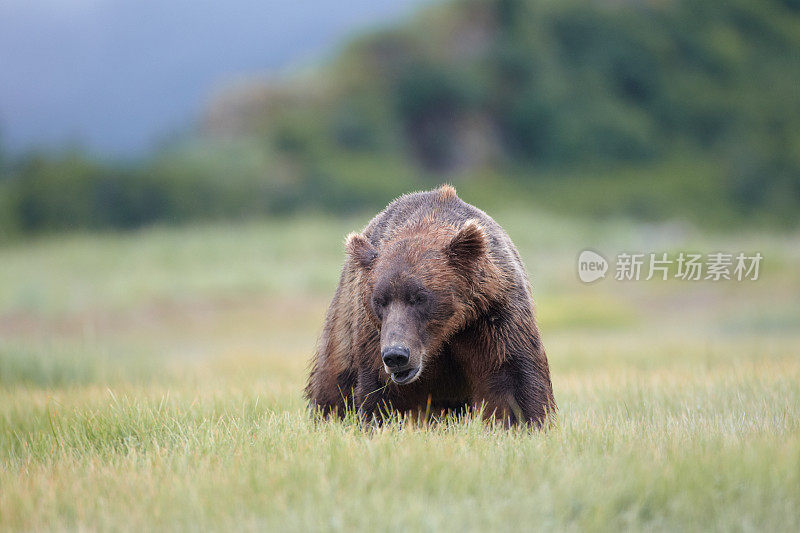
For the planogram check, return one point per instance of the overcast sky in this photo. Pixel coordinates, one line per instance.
(115, 75)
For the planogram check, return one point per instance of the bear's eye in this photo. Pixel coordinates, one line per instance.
(418, 299)
(378, 304)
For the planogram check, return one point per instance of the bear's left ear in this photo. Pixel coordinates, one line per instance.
(360, 249)
(468, 245)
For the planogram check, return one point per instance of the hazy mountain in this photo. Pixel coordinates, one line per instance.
(113, 75)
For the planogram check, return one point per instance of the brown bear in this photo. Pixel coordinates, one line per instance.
(433, 311)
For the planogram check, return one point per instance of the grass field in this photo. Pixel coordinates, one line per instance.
(153, 380)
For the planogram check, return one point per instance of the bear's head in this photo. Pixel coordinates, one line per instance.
(419, 289)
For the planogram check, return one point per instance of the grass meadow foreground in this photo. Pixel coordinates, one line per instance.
(153, 380)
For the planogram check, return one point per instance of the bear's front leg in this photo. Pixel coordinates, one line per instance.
(513, 393)
(371, 398)
(494, 395)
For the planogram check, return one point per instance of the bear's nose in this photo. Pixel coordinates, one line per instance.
(395, 356)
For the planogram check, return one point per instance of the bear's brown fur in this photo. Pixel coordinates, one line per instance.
(433, 310)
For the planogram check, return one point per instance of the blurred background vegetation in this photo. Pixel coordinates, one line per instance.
(654, 110)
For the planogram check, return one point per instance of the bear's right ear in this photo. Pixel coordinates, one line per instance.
(468, 245)
(360, 249)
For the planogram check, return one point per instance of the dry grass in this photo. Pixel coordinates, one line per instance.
(153, 381)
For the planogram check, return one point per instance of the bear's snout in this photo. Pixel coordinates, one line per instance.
(395, 357)
(402, 349)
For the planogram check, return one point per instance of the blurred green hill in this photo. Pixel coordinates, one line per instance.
(650, 109)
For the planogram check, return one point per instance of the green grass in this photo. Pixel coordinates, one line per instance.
(662, 448)
(154, 382)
